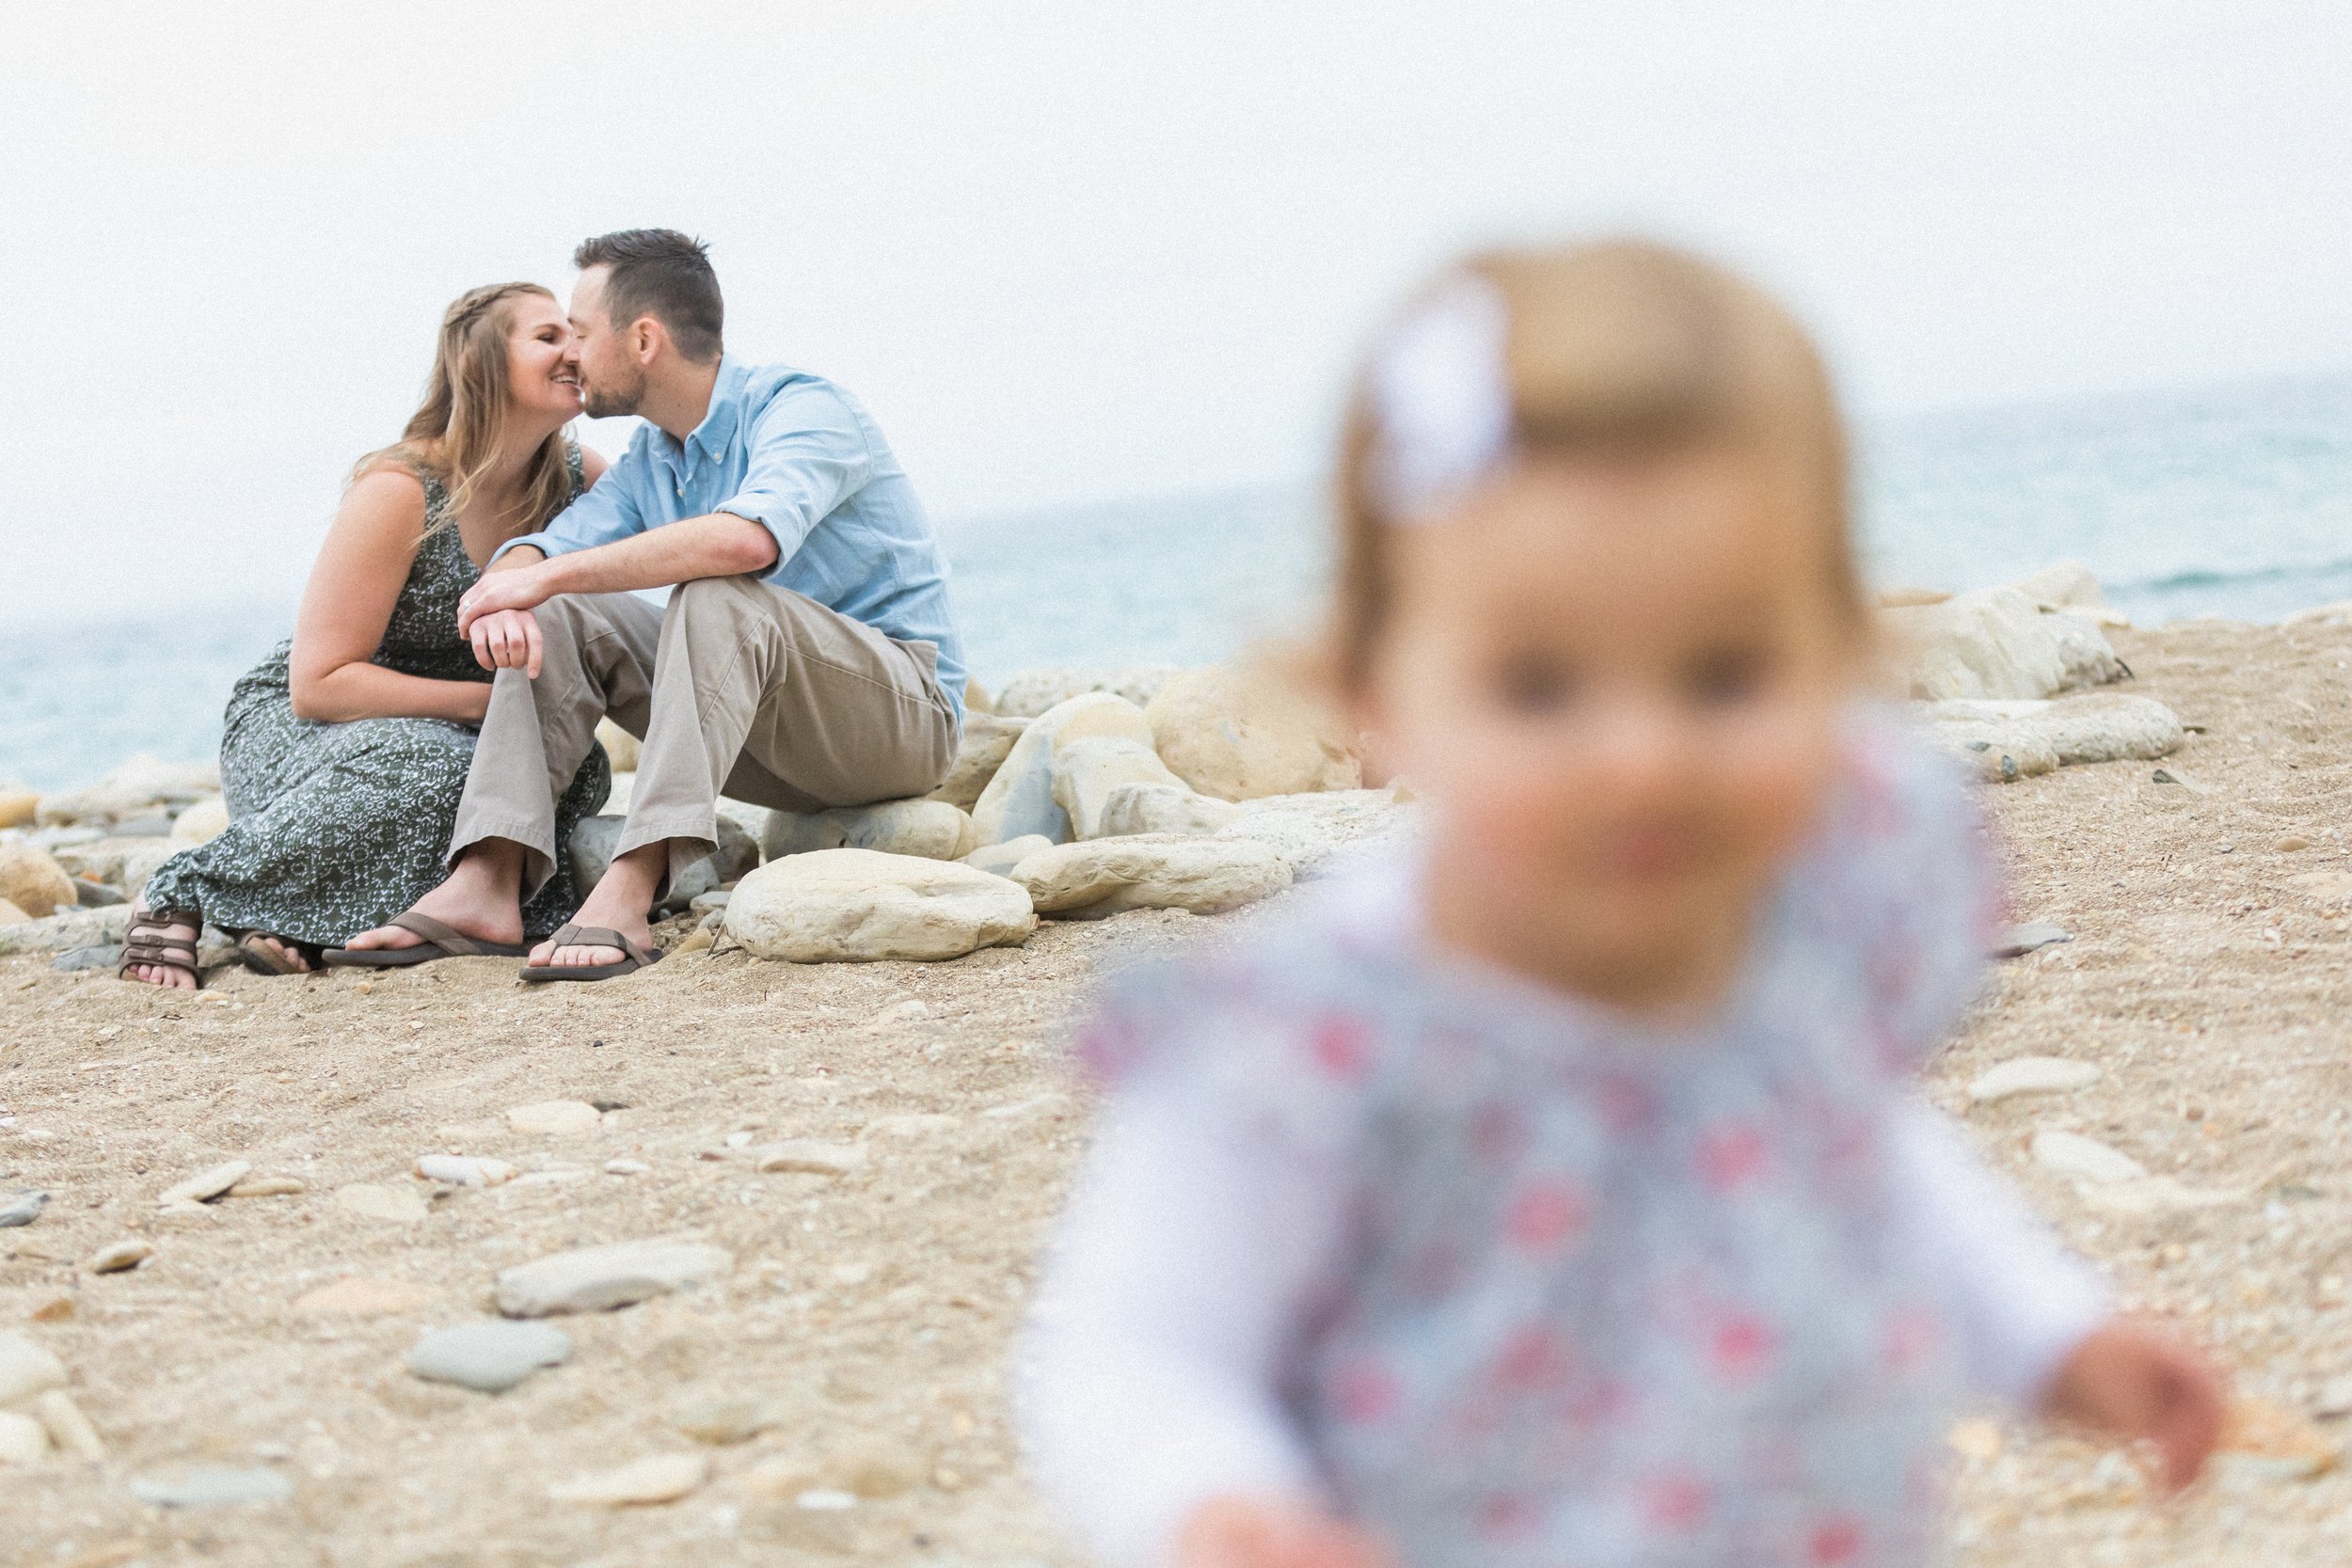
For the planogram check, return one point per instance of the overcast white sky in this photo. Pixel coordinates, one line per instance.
(1076, 251)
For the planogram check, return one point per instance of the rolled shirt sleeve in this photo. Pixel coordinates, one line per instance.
(808, 453)
(606, 511)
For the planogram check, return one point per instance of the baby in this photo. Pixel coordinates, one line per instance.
(1556, 1191)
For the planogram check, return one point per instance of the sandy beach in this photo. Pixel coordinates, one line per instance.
(856, 1341)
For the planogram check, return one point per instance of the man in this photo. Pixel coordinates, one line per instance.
(806, 658)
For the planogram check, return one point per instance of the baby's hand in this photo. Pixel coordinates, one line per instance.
(1247, 1532)
(2138, 1385)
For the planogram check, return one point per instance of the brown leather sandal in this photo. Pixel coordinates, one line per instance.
(261, 960)
(144, 943)
(441, 941)
(591, 936)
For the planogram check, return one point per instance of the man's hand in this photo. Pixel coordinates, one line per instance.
(522, 588)
(1247, 1532)
(2140, 1387)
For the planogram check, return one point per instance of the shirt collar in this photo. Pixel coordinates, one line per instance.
(726, 413)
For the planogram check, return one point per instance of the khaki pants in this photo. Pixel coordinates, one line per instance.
(736, 688)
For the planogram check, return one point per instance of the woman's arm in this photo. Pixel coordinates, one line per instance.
(353, 585)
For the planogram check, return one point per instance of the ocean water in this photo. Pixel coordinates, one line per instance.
(2230, 500)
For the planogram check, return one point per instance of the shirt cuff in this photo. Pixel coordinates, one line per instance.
(756, 508)
(543, 543)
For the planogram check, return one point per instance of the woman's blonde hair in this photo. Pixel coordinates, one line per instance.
(1622, 349)
(453, 434)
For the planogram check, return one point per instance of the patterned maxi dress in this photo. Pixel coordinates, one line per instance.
(337, 827)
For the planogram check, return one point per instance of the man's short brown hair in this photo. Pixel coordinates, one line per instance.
(662, 273)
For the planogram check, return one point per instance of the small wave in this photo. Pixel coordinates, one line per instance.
(2215, 577)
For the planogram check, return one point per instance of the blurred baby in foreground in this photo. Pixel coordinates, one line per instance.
(1556, 1190)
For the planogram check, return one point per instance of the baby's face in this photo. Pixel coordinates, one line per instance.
(1620, 685)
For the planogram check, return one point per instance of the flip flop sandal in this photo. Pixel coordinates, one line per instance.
(441, 941)
(591, 936)
(144, 943)
(262, 960)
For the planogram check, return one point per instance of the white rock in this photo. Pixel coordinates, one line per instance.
(1310, 831)
(67, 932)
(26, 1369)
(2025, 1075)
(930, 829)
(1176, 809)
(207, 1183)
(626, 1167)
(595, 839)
(1104, 876)
(981, 750)
(555, 1117)
(597, 1278)
(22, 1207)
(1239, 735)
(2071, 585)
(1086, 772)
(1035, 691)
(1998, 642)
(998, 860)
(811, 1157)
(118, 1256)
(464, 1170)
(22, 1439)
(2006, 740)
(489, 1357)
(67, 1427)
(2087, 1159)
(212, 1486)
(134, 789)
(32, 880)
(1019, 800)
(658, 1478)
(621, 748)
(399, 1205)
(849, 905)
(200, 823)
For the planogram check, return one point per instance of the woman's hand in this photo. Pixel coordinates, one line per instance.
(1254, 1532)
(2138, 1385)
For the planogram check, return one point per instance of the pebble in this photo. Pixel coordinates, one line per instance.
(2030, 1075)
(96, 896)
(22, 1440)
(812, 1156)
(126, 1254)
(22, 1207)
(724, 1421)
(2071, 1154)
(75, 959)
(269, 1186)
(2335, 1399)
(2032, 936)
(57, 1309)
(626, 1167)
(400, 1205)
(874, 1470)
(366, 1298)
(68, 1428)
(658, 1478)
(212, 1486)
(2292, 842)
(555, 1117)
(464, 1170)
(207, 1184)
(489, 1357)
(2283, 1443)
(594, 1279)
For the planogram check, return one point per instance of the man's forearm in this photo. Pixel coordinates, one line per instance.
(720, 545)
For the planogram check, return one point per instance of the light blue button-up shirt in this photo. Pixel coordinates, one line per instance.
(801, 457)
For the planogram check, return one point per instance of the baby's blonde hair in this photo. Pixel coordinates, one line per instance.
(1618, 350)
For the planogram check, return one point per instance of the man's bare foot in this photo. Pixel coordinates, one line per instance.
(163, 974)
(620, 902)
(483, 898)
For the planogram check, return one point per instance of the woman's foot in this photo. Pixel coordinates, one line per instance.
(267, 953)
(481, 898)
(169, 944)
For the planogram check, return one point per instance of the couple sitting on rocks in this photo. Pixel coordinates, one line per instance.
(402, 776)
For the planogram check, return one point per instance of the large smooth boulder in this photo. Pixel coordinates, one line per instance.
(64, 932)
(621, 748)
(200, 823)
(1019, 800)
(1239, 735)
(139, 788)
(1088, 771)
(932, 828)
(1107, 876)
(987, 741)
(1034, 692)
(1309, 831)
(33, 882)
(597, 837)
(17, 807)
(998, 860)
(2071, 586)
(1998, 643)
(2002, 741)
(835, 906)
(1175, 809)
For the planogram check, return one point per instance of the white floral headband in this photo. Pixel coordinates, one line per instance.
(1441, 401)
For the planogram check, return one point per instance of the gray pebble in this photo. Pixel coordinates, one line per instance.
(490, 1357)
(212, 1486)
(96, 896)
(2018, 940)
(86, 957)
(156, 826)
(22, 1207)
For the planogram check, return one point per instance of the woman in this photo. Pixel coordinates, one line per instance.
(346, 749)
